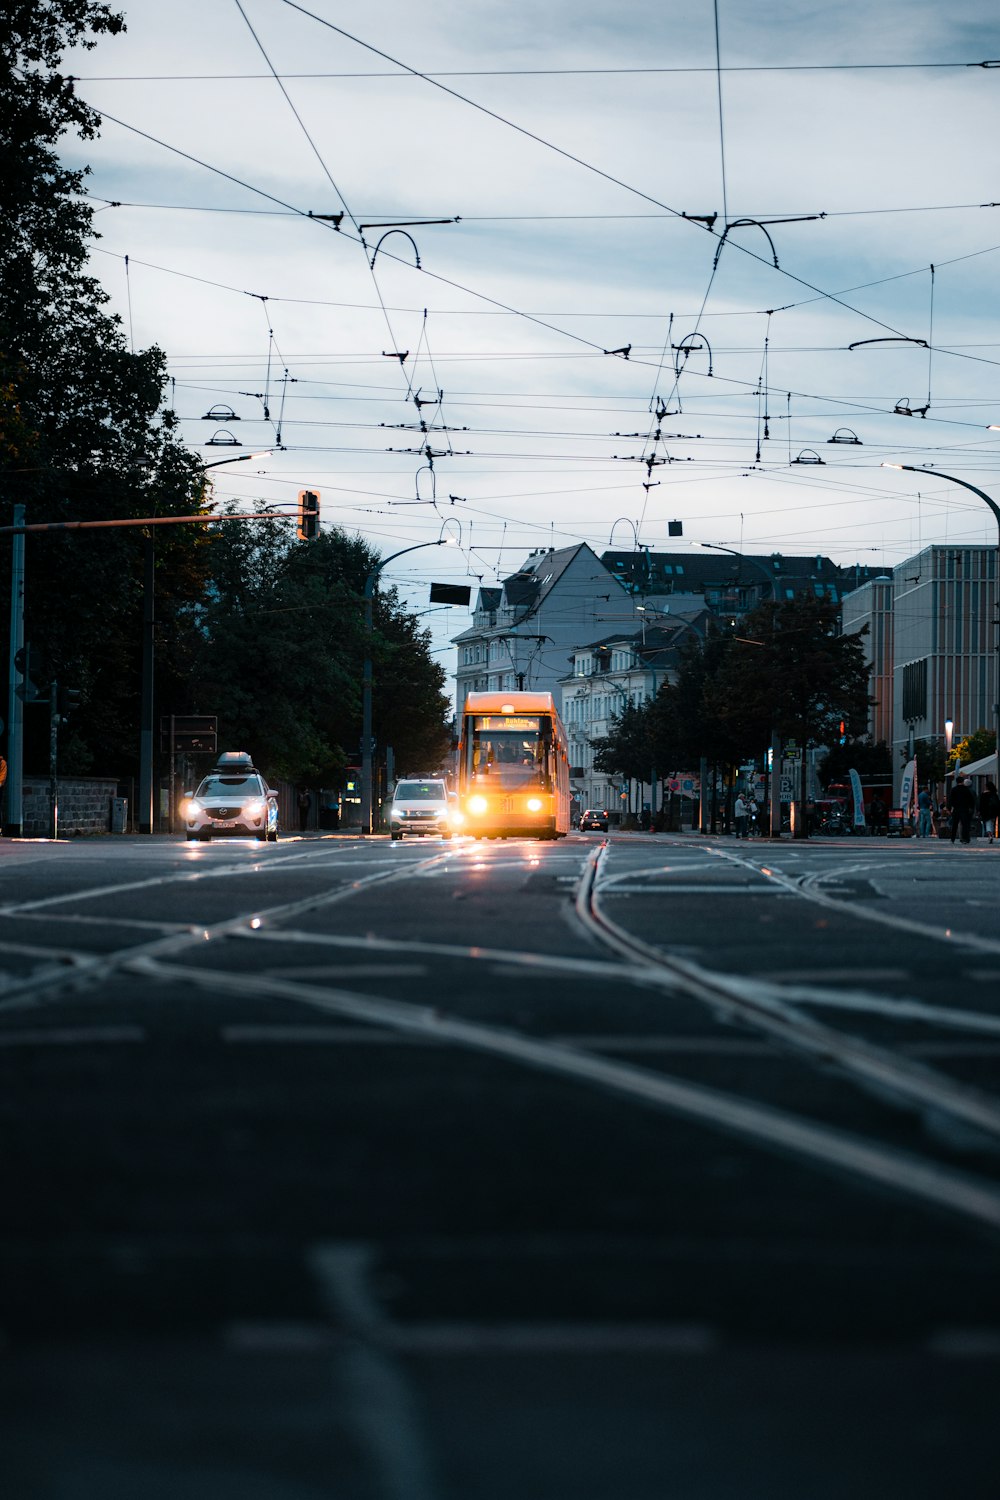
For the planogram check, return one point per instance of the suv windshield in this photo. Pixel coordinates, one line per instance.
(419, 791)
(231, 786)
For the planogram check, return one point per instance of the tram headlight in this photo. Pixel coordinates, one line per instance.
(534, 804)
(477, 805)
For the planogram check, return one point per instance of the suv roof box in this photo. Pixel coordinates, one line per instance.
(235, 760)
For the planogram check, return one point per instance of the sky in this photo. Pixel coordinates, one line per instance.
(609, 329)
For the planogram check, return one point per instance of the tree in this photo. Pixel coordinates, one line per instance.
(84, 435)
(861, 755)
(980, 743)
(277, 653)
(793, 674)
(627, 750)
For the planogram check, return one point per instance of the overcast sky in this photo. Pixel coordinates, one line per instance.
(568, 141)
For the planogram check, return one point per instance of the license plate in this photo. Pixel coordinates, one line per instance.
(225, 823)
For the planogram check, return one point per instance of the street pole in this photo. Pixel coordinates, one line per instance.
(366, 679)
(987, 500)
(14, 808)
(146, 715)
(53, 760)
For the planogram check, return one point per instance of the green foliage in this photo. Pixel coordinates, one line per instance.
(793, 673)
(83, 435)
(975, 746)
(278, 649)
(627, 750)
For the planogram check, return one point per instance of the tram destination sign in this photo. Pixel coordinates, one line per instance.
(526, 722)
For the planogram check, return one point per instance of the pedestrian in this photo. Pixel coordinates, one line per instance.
(925, 809)
(989, 810)
(305, 803)
(753, 813)
(877, 815)
(962, 803)
(740, 816)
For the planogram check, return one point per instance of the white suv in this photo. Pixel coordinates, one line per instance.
(235, 800)
(421, 806)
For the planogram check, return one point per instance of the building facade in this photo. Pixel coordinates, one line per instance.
(942, 631)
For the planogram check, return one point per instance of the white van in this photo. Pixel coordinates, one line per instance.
(421, 806)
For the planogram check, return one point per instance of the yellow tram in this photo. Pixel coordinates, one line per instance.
(513, 767)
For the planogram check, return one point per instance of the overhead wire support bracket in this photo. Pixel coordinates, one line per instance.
(761, 224)
(685, 348)
(899, 338)
(334, 219)
(406, 235)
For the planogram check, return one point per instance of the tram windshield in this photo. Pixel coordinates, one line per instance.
(509, 751)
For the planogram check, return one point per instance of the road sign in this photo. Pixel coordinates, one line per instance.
(196, 734)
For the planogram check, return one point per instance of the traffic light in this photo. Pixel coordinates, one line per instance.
(843, 732)
(68, 699)
(308, 515)
(22, 663)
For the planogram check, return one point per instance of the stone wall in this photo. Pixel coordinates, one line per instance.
(84, 805)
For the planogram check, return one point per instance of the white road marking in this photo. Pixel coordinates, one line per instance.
(281, 1033)
(72, 1036)
(349, 971)
(376, 1396)
(901, 1010)
(763, 1124)
(652, 889)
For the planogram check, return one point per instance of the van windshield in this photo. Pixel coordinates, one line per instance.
(419, 791)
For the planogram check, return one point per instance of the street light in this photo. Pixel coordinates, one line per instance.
(987, 500)
(366, 680)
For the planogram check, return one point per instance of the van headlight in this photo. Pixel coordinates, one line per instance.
(457, 818)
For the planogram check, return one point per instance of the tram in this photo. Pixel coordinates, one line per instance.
(513, 767)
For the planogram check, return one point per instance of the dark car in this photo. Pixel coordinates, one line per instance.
(595, 818)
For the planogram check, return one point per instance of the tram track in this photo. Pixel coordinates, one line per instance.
(769, 1008)
(171, 960)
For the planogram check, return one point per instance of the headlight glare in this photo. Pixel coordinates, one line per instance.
(477, 805)
(534, 804)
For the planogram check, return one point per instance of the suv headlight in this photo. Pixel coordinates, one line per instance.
(255, 809)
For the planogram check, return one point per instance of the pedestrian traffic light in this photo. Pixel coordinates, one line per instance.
(308, 515)
(843, 732)
(68, 699)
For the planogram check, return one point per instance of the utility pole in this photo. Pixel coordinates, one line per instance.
(53, 760)
(14, 809)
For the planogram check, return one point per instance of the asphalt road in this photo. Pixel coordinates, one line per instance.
(650, 1168)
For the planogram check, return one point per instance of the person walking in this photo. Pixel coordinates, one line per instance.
(989, 809)
(877, 815)
(740, 816)
(305, 803)
(925, 809)
(962, 805)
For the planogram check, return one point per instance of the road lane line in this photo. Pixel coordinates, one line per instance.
(72, 1036)
(377, 1399)
(767, 1126)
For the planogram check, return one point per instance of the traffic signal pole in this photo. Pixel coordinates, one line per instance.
(53, 760)
(14, 806)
